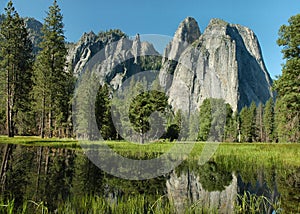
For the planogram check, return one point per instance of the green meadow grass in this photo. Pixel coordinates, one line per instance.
(134, 204)
(265, 153)
(37, 141)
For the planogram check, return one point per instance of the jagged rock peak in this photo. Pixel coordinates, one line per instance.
(137, 38)
(91, 36)
(188, 30)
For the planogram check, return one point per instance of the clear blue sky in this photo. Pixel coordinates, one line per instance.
(264, 17)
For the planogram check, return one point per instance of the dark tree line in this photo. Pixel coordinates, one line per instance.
(254, 123)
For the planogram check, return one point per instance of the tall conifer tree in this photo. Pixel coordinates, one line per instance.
(268, 120)
(16, 63)
(288, 85)
(50, 78)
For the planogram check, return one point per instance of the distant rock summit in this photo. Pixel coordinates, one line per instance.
(225, 61)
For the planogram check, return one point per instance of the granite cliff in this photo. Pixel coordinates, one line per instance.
(224, 62)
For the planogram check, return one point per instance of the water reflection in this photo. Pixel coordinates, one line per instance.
(217, 189)
(55, 175)
(208, 185)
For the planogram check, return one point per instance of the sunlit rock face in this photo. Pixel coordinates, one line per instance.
(224, 62)
(112, 58)
(188, 31)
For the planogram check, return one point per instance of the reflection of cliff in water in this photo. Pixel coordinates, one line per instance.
(206, 186)
(213, 188)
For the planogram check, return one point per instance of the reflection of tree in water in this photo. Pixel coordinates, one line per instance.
(59, 177)
(214, 178)
(88, 178)
(211, 175)
(17, 175)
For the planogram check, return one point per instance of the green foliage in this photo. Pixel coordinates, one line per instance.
(259, 126)
(148, 63)
(142, 107)
(15, 72)
(84, 103)
(232, 123)
(214, 117)
(205, 120)
(112, 33)
(247, 116)
(289, 38)
(268, 120)
(192, 126)
(281, 130)
(52, 88)
(103, 114)
(288, 85)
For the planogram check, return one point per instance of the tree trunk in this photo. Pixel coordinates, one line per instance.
(50, 122)
(142, 140)
(43, 118)
(8, 104)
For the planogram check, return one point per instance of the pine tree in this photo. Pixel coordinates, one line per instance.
(247, 116)
(16, 63)
(142, 108)
(51, 80)
(215, 115)
(205, 119)
(231, 132)
(84, 107)
(221, 112)
(103, 113)
(280, 122)
(288, 85)
(252, 111)
(268, 120)
(259, 126)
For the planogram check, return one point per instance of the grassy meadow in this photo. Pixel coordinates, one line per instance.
(285, 153)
